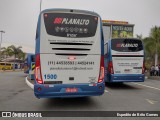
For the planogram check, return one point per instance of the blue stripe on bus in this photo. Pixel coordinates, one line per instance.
(102, 38)
(58, 90)
(37, 50)
(126, 78)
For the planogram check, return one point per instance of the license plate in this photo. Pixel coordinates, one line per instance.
(70, 90)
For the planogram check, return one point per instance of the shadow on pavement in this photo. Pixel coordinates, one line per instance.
(70, 103)
(121, 86)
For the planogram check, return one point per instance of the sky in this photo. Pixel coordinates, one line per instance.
(18, 18)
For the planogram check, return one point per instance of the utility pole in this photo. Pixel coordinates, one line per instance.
(40, 5)
(2, 31)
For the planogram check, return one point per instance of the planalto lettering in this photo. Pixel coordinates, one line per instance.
(129, 45)
(75, 21)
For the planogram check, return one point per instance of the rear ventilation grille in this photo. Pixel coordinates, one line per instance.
(70, 48)
(76, 49)
(71, 54)
(69, 43)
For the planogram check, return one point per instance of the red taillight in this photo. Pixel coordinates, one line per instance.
(101, 75)
(110, 68)
(38, 75)
(143, 68)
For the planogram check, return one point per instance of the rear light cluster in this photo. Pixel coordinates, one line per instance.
(143, 68)
(38, 75)
(101, 75)
(110, 68)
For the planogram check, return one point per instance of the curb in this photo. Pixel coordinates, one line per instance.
(29, 84)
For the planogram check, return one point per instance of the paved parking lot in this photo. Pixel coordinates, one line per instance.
(16, 95)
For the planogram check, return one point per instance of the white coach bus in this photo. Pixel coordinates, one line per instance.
(69, 54)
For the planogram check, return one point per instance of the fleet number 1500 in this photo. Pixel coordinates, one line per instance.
(50, 76)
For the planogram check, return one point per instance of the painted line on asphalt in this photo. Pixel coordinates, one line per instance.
(106, 91)
(147, 86)
(151, 101)
(29, 84)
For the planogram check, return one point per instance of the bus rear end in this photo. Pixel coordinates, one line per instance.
(126, 60)
(69, 54)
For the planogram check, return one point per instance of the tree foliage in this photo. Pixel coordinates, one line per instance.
(13, 50)
(152, 46)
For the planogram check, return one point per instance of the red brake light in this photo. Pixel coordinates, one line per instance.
(101, 75)
(38, 75)
(110, 68)
(143, 68)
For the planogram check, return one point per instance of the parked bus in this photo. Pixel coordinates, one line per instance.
(29, 63)
(69, 54)
(124, 60)
(6, 66)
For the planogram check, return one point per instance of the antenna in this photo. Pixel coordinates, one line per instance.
(40, 5)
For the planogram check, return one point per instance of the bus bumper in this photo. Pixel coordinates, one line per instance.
(126, 78)
(59, 91)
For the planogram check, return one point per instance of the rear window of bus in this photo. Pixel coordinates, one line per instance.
(61, 24)
(126, 45)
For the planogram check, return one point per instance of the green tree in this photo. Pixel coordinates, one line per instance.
(152, 46)
(16, 51)
(21, 56)
(6, 52)
(155, 36)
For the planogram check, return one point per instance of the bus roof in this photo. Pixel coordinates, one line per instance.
(70, 10)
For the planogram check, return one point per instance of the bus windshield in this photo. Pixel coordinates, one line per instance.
(126, 45)
(64, 24)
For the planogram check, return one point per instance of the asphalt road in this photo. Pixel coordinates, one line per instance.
(15, 95)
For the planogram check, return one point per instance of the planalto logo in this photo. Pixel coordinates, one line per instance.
(58, 20)
(71, 21)
(127, 45)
